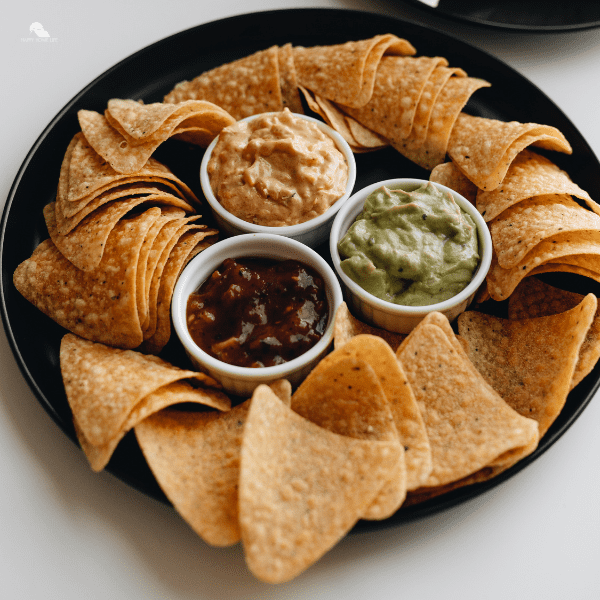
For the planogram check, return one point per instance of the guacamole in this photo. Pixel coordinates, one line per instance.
(412, 248)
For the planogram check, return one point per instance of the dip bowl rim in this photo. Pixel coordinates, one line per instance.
(237, 379)
(354, 205)
(286, 230)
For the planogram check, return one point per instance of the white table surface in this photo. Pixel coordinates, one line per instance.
(68, 533)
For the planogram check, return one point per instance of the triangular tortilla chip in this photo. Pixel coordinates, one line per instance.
(345, 73)
(99, 305)
(244, 87)
(302, 487)
(529, 175)
(398, 86)
(195, 457)
(407, 417)
(518, 229)
(468, 424)
(344, 395)
(104, 385)
(561, 248)
(346, 327)
(447, 174)
(483, 149)
(534, 298)
(529, 362)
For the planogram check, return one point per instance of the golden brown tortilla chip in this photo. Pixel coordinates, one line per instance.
(450, 101)
(519, 228)
(345, 73)
(290, 96)
(563, 247)
(529, 175)
(185, 245)
(529, 362)
(534, 298)
(89, 175)
(158, 194)
(407, 417)
(99, 305)
(244, 87)
(302, 487)
(397, 77)
(483, 149)
(447, 174)
(195, 457)
(104, 384)
(343, 394)
(468, 424)
(178, 392)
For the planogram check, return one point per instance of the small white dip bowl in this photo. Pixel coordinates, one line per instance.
(237, 380)
(312, 233)
(396, 317)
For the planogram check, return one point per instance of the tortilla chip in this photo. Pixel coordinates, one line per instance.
(346, 327)
(402, 77)
(158, 194)
(529, 175)
(129, 131)
(344, 395)
(518, 229)
(89, 175)
(534, 298)
(529, 362)
(186, 244)
(451, 100)
(468, 424)
(84, 245)
(195, 457)
(302, 487)
(483, 149)
(288, 81)
(178, 392)
(244, 87)
(99, 305)
(104, 385)
(405, 412)
(563, 247)
(345, 73)
(447, 174)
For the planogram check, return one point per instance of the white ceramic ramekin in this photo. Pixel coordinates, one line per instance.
(312, 233)
(395, 317)
(236, 380)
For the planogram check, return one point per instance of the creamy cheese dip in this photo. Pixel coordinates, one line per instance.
(276, 170)
(411, 248)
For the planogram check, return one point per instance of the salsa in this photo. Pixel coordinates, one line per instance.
(412, 248)
(258, 312)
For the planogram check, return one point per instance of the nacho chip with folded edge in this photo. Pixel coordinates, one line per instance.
(529, 362)
(468, 424)
(302, 487)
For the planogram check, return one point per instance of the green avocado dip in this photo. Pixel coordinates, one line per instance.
(411, 248)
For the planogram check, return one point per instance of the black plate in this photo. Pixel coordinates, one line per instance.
(152, 72)
(521, 15)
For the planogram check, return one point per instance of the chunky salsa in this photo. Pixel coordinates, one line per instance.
(258, 312)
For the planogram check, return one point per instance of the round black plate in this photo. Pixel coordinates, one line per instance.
(152, 72)
(521, 15)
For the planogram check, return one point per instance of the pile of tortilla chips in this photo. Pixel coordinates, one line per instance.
(129, 132)
(117, 245)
